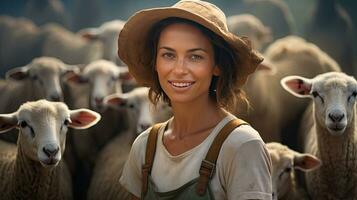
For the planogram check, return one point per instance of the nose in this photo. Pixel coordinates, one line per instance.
(98, 100)
(50, 150)
(180, 67)
(143, 127)
(55, 97)
(336, 117)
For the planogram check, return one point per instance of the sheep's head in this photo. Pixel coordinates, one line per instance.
(43, 126)
(104, 78)
(45, 73)
(138, 107)
(284, 162)
(334, 96)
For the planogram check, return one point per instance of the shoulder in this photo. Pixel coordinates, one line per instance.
(242, 135)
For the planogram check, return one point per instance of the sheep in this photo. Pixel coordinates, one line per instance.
(328, 131)
(44, 11)
(108, 34)
(96, 80)
(273, 111)
(110, 162)
(33, 169)
(20, 41)
(331, 28)
(69, 47)
(285, 161)
(39, 79)
(250, 26)
(274, 14)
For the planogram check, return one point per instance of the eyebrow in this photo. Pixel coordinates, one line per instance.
(190, 50)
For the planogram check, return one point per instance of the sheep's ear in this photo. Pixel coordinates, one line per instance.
(67, 70)
(116, 100)
(89, 33)
(8, 122)
(267, 66)
(18, 73)
(124, 74)
(297, 85)
(75, 77)
(306, 162)
(83, 118)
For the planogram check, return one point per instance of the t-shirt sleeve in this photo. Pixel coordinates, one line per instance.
(249, 173)
(131, 178)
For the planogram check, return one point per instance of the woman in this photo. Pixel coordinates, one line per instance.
(188, 58)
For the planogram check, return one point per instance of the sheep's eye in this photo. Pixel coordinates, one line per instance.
(287, 170)
(66, 122)
(34, 77)
(353, 95)
(316, 94)
(131, 106)
(23, 124)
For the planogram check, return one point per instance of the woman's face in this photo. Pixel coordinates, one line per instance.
(185, 63)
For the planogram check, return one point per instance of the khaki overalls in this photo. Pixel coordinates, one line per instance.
(197, 188)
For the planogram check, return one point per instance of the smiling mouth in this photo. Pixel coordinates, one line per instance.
(181, 84)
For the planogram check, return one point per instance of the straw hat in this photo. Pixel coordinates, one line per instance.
(132, 38)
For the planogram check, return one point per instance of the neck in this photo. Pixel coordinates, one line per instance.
(191, 118)
(337, 152)
(31, 180)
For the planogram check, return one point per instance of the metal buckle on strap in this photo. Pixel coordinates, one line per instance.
(207, 168)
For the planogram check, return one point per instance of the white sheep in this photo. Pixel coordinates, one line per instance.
(250, 26)
(40, 79)
(111, 160)
(33, 169)
(20, 41)
(329, 21)
(274, 14)
(69, 47)
(285, 161)
(273, 111)
(108, 34)
(328, 131)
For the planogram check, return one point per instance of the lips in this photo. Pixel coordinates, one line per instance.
(180, 84)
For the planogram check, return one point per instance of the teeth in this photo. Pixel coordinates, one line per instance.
(181, 84)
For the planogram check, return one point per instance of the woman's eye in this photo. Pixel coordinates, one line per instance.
(168, 55)
(196, 57)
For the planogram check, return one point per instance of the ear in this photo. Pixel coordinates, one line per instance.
(216, 71)
(306, 162)
(125, 75)
(70, 69)
(297, 85)
(267, 66)
(8, 122)
(18, 73)
(83, 118)
(74, 77)
(89, 33)
(115, 100)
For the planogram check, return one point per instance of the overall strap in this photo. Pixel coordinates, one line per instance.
(149, 156)
(208, 165)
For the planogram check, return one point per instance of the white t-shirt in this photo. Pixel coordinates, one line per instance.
(243, 168)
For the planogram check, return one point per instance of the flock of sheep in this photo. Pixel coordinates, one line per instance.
(57, 82)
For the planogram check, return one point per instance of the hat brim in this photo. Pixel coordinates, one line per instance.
(132, 41)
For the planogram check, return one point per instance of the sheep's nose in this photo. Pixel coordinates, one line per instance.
(55, 97)
(143, 127)
(336, 117)
(50, 150)
(98, 100)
